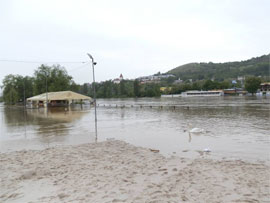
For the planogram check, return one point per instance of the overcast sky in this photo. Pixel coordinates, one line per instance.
(134, 38)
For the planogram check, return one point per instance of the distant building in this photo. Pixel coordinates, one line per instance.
(241, 78)
(235, 91)
(165, 76)
(265, 87)
(154, 78)
(121, 77)
(118, 80)
(165, 89)
(178, 81)
(148, 79)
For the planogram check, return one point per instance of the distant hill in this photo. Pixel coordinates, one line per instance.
(258, 66)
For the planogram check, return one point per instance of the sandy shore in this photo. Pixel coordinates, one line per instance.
(114, 171)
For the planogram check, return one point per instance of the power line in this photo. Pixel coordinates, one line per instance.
(22, 61)
(86, 63)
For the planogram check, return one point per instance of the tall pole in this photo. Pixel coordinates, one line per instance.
(46, 91)
(94, 87)
(24, 104)
(24, 107)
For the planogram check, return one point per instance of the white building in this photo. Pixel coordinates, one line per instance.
(118, 80)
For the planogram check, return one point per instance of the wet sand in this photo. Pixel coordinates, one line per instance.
(114, 171)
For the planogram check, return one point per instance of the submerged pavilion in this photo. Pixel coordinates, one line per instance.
(61, 98)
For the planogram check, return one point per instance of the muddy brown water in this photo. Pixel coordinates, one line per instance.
(236, 127)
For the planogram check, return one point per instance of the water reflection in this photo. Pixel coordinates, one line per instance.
(56, 114)
(52, 125)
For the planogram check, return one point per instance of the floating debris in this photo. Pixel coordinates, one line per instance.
(207, 150)
(154, 150)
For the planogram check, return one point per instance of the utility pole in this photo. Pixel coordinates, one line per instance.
(46, 92)
(24, 103)
(46, 89)
(94, 87)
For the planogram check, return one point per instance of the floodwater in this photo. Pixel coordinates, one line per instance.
(236, 127)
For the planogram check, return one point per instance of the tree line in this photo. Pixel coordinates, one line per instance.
(252, 84)
(126, 88)
(17, 88)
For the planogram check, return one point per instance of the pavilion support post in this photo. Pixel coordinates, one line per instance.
(81, 103)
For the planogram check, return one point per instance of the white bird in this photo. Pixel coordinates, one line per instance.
(207, 150)
(195, 130)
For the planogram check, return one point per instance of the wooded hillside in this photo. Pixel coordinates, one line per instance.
(258, 66)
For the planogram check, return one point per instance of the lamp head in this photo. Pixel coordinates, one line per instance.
(90, 56)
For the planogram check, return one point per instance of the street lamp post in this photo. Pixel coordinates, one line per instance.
(46, 88)
(24, 103)
(94, 87)
(46, 92)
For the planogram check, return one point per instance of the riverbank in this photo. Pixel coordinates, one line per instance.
(114, 171)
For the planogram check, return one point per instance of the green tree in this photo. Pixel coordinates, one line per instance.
(57, 79)
(11, 97)
(9, 85)
(122, 88)
(196, 86)
(208, 85)
(41, 75)
(224, 85)
(14, 89)
(186, 87)
(115, 90)
(24, 87)
(107, 89)
(151, 90)
(28, 83)
(175, 89)
(84, 89)
(74, 87)
(252, 84)
(136, 88)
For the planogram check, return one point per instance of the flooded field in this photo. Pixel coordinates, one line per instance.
(234, 127)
